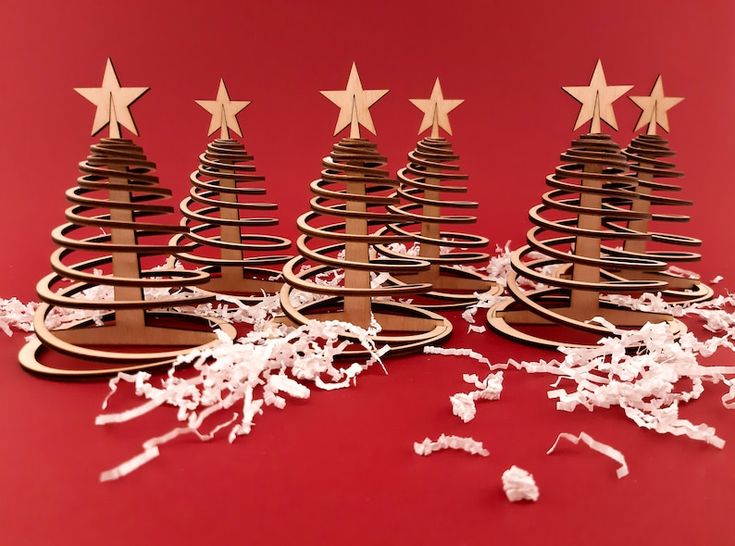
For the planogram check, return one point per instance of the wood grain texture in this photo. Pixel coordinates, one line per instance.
(427, 185)
(354, 189)
(222, 216)
(117, 194)
(570, 227)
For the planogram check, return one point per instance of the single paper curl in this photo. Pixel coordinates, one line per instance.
(519, 485)
(490, 388)
(469, 445)
(594, 445)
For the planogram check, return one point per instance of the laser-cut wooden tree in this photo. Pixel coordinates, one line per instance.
(428, 183)
(649, 155)
(354, 189)
(590, 187)
(219, 213)
(117, 192)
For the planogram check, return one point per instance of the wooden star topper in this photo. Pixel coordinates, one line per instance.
(112, 102)
(596, 99)
(436, 109)
(354, 105)
(224, 112)
(655, 107)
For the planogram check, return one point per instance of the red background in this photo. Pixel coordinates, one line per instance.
(339, 468)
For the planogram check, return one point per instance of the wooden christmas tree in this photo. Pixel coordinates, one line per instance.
(427, 183)
(220, 214)
(649, 155)
(570, 225)
(352, 193)
(117, 193)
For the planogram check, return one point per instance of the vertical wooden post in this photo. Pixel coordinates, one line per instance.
(125, 264)
(588, 300)
(639, 205)
(357, 308)
(431, 230)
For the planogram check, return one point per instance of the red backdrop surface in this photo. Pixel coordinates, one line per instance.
(339, 468)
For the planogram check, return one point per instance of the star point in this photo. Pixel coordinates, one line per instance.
(224, 112)
(596, 100)
(436, 109)
(654, 108)
(354, 104)
(112, 102)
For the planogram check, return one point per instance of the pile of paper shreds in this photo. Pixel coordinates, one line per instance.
(227, 386)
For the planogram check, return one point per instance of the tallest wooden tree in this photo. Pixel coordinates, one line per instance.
(339, 268)
(589, 200)
(109, 277)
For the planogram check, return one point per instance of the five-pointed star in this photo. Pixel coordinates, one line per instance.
(224, 111)
(596, 99)
(655, 107)
(435, 110)
(354, 105)
(112, 102)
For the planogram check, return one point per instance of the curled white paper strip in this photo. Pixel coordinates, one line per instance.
(604, 449)
(519, 485)
(470, 445)
(432, 350)
(463, 404)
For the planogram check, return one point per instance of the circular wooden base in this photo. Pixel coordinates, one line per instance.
(453, 288)
(549, 310)
(405, 328)
(77, 341)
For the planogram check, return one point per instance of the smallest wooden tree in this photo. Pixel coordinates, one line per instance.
(122, 305)
(649, 155)
(427, 181)
(219, 214)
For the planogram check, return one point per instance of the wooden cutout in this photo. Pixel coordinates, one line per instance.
(355, 189)
(423, 182)
(596, 100)
(354, 105)
(214, 214)
(572, 300)
(649, 155)
(436, 109)
(112, 102)
(118, 178)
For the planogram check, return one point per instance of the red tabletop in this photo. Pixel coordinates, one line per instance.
(339, 468)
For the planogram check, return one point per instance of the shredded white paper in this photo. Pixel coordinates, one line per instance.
(433, 350)
(519, 485)
(594, 445)
(269, 360)
(463, 404)
(15, 314)
(470, 445)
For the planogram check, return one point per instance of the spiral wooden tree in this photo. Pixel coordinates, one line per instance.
(116, 190)
(649, 159)
(427, 184)
(354, 191)
(582, 210)
(219, 214)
